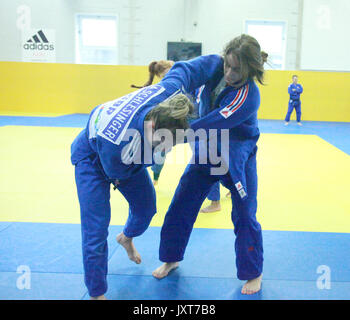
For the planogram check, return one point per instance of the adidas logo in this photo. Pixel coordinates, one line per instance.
(38, 42)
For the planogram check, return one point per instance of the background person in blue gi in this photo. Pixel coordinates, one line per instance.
(115, 148)
(294, 90)
(235, 109)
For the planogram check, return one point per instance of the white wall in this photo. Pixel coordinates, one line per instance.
(325, 36)
(221, 20)
(145, 26)
(52, 14)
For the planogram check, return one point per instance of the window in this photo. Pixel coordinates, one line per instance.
(96, 39)
(272, 38)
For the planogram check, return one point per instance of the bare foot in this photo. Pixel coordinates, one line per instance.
(252, 286)
(214, 206)
(164, 269)
(126, 242)
(228, 194)
(98, 298)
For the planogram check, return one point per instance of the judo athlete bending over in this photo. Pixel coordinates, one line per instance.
(112, 149)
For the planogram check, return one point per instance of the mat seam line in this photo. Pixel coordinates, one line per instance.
(201, 277)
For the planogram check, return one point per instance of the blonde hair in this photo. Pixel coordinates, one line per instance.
(172, 113)
(251, 58)
(156, 68)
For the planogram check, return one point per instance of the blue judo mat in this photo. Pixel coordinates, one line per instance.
(293, 267)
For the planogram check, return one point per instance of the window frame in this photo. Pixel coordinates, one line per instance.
(79, 39)
(272, 57)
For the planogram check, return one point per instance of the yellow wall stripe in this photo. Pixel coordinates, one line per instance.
(72, 88)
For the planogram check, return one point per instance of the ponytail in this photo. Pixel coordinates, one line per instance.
(151, 69)
(264, 56)
(156, 68)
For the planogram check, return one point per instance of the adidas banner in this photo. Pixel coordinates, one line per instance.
(38, 45)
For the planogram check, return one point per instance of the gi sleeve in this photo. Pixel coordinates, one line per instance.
(192, 74)
(290, 89)
(300, 89)
(236, 107)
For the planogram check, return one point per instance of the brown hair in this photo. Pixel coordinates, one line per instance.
(156, 68)
(264, 56)
(251, 58)
(172, 113)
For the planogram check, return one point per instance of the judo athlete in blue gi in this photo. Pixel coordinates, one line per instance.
(235, 109)
(294, 90)
(115, 148)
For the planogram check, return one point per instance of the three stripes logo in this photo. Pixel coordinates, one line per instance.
(38, 42)
(237, 102)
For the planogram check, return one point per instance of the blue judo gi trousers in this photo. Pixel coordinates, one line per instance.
(293, 104)
(193, 188)
(94, 197)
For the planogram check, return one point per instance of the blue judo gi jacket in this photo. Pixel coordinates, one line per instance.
(295, 90)
(105, 133)
(234, 109)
